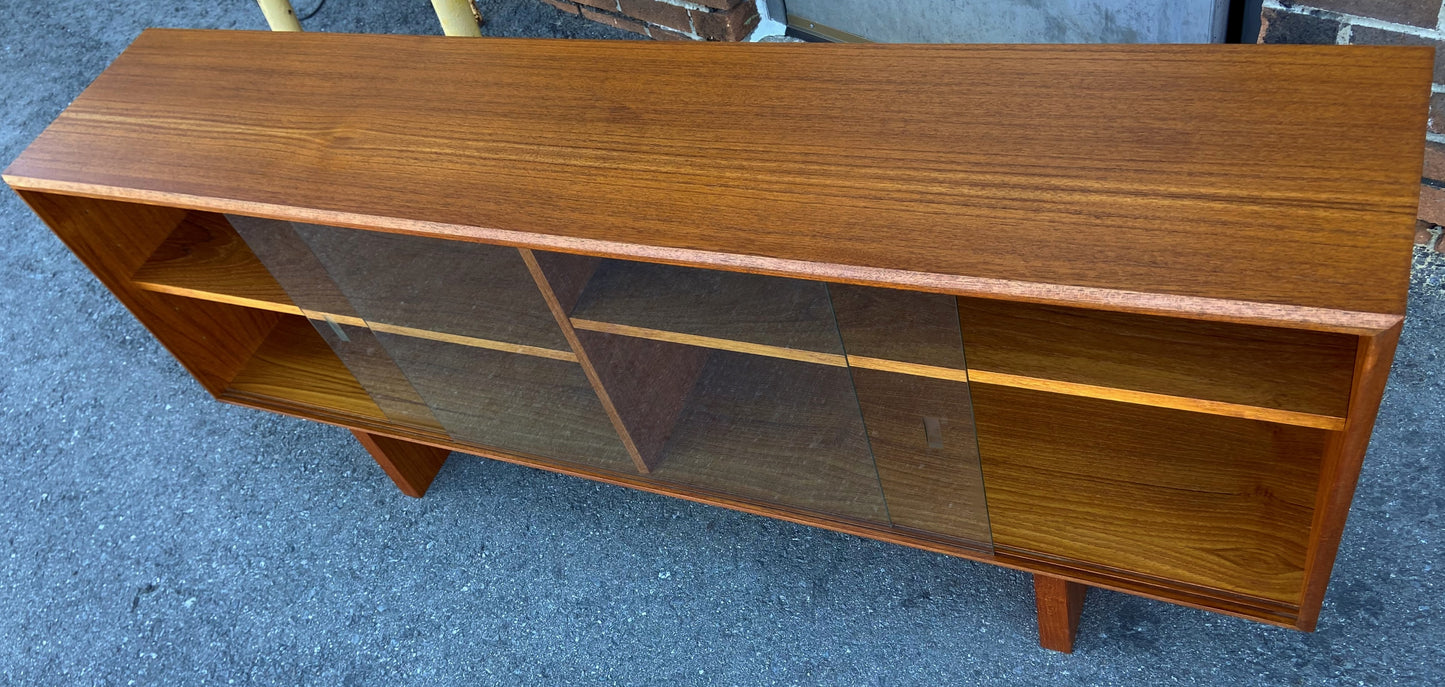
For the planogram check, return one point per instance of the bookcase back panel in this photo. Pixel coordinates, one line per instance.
(1219, 502)
(444, 288)
(509, 401)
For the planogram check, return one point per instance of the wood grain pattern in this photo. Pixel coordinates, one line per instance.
(1344, 454)
(779, 431)
(294, 365)
(1269, 368)
(410, 465)
(113, 239)
(205, 258)
(1060, 603)
(710, 305)
(934, 168)
(1178, 182)
(937, 489)
(1211, 501)
(510, 402)
(455, 288)
(916, 329)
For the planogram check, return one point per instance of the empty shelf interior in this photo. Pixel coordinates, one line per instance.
(775, 430)
(413, 285)
(515, 403)
(771, 316)
(295, 366)
(205, 258)
(1280, 375)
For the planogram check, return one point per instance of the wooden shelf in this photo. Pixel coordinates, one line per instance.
(1175, 402)
(1287, 376)
(1291, 377)
(466, 293)
(513, 403)
(205, 258)
(295, 366)
(478, 395)
(1219, 502)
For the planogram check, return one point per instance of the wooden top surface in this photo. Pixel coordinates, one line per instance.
(1269, 184)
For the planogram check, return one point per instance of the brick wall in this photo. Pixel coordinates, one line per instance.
(699, 20)
(1379, 22)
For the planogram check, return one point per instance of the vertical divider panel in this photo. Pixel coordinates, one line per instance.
(642, 404)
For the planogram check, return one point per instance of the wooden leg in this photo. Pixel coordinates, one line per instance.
(412, 466)
(1060, 602)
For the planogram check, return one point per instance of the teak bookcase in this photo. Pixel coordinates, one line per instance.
(1117, 316)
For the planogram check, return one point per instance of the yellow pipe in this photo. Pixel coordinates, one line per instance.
(458, 17)
(280, 15)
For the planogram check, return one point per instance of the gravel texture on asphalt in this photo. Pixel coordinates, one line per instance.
(153, 536)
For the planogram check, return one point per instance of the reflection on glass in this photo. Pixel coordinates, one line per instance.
(729, 382)
(444, 335)
(775, 430)
(519, 403)
(292, 264)
(906, 351)
(847, 401)
(437, 288)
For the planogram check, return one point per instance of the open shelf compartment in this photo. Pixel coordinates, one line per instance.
(519, 391)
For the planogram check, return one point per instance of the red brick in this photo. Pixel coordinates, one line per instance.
(1423, 235)
(615, 21)
(1437, 113)
(1282, 26)
(661, 34)
(567, 7)
(1364, 35)
(1415, 12)
(719, 4)
(654, 12)
(1434, 161)
(733, 25)
(1432, 204)
(600, 4)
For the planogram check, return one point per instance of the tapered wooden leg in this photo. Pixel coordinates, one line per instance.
(411, 465)
(1060, 602)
